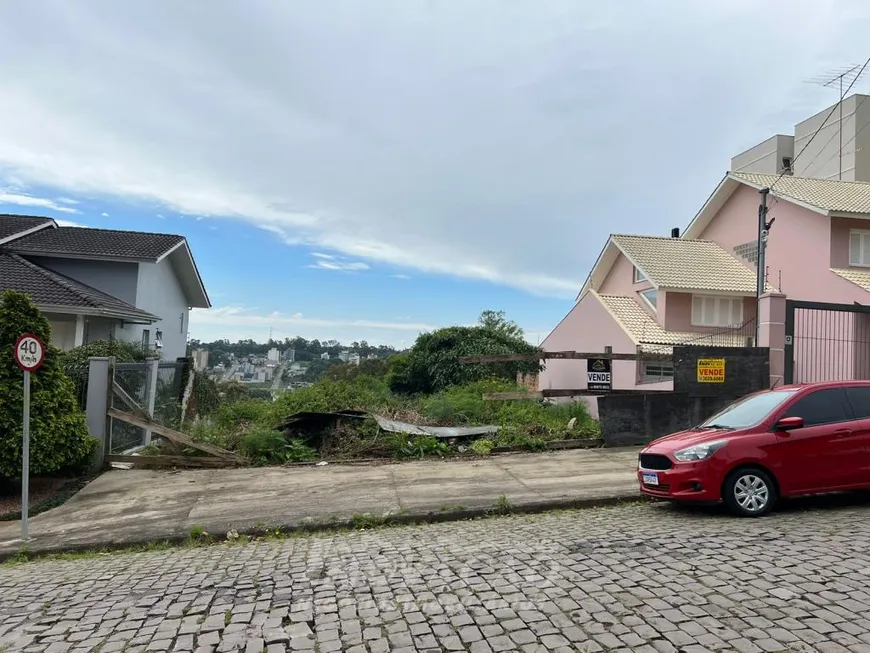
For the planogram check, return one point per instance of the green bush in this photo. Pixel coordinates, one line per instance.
(417, 446)
(482, 447)
(59, 440)
(124, 352)
(366, 393)
(243, 414)
(268, 447)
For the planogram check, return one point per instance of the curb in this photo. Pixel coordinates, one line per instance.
(343, 525)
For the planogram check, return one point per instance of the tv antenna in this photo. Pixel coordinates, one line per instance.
(836, 79)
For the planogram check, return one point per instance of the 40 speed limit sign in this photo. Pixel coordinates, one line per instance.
(29, 352)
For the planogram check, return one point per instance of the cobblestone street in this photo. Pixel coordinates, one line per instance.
(640, 578)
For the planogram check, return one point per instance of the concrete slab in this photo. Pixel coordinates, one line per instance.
(135, 506)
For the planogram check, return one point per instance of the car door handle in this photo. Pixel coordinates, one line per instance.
(842, 433)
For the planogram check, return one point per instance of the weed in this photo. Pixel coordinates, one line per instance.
(502, 506)
(198, 535)
(366, 521)
(482, 447)
(228, 617)
(449, 508)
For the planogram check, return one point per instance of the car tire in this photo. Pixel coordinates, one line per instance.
(749, 492)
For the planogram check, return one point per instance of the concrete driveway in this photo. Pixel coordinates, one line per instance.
(135, 506)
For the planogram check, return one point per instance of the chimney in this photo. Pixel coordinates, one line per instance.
(675, 232)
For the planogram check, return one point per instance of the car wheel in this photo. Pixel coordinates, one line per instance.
(749, 492)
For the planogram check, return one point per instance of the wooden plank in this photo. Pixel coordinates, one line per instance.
(174, 436)
(130, 401)
(566, 355)
(558, 392)
(172, 461)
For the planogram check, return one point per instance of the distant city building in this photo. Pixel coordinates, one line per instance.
(353, 359)
(200, 359)
(324, 356)
(273, 356)
(344, 356)
(289, 355)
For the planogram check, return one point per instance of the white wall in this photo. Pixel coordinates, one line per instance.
(821, 158)
(159, 292)
(766, 157)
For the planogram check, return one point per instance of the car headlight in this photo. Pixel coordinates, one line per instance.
(700, 451)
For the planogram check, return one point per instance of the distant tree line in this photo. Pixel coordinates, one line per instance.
(306, 350)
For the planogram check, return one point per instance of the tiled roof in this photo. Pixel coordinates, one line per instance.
(643, 329)
(11, 225)
(48, 288)
(96, 243)
(860, 278)
(826, 194)
(687, 264)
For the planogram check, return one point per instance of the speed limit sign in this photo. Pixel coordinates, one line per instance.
(29, 352)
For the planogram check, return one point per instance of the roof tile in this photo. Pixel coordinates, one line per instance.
(10, 225)
(687, 264)
(96, 243)
(48, 288)
(826, 194)
(643, 329)
(860, 278)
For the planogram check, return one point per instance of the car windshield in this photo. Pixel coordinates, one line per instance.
(748, 411)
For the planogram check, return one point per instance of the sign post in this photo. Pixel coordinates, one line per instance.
(29, 355)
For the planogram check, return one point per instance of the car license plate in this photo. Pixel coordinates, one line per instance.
(651, 479)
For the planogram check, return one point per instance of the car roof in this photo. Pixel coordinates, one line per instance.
(843, 383)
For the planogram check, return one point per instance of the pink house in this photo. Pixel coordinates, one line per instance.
(650, 293)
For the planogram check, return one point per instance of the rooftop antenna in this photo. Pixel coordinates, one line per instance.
(835, 79)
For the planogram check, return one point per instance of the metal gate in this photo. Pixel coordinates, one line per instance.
(826, 342)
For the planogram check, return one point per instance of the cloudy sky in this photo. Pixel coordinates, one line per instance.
(370, 168)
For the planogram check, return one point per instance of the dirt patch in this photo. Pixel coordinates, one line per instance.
(45, 493)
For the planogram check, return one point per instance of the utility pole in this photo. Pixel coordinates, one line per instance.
(760, 275)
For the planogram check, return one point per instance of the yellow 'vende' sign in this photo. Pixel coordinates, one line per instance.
(711, 370)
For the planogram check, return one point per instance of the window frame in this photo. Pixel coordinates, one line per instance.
(643, 295)
(717, 298)
(664, 365)
(862, 234)
(639, 276)
(787, 412)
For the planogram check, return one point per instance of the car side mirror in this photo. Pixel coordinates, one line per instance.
(789, 423)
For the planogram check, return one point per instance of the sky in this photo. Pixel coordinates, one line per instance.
(370, 169)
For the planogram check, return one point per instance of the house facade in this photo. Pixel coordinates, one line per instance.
(99, 284)
(645, 293)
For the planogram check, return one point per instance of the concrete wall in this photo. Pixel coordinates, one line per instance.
(114, 278)
(678, 314)
(590, 327)
(638, 419)
(821, 159)
(766, 157)
(160, 293)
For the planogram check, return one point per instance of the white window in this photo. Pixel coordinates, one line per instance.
(639, 275)
(650, 297)
(859, 248)
(717, 311)
(654, 372)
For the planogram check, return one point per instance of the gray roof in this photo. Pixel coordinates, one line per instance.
(10, 225)
(96, 243)
(50, 289)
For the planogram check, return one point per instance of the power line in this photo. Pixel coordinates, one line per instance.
(824, 122)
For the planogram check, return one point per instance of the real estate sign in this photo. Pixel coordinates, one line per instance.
(711, 370)
(598, 374)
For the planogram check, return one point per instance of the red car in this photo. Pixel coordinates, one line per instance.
(789, 441)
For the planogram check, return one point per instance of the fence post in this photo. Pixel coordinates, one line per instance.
(97, 405)
(151, 373)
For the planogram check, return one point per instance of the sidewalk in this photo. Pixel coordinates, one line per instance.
(137, 506)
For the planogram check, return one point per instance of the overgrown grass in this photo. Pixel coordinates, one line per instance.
(248, 425)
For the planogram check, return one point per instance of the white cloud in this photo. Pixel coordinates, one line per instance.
(469, 140)
(68, 223)
(236, 323)
(20, 199)
(338, 263)
(401, 276)
(104, 214)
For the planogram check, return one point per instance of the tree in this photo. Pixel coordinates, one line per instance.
(59, 440)
(350, 372)
(433, 364)
(496, 321)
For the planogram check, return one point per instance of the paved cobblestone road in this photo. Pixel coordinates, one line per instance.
(640, 578)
